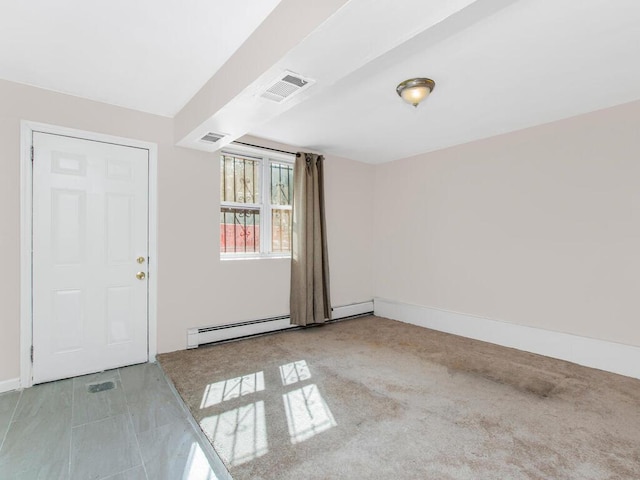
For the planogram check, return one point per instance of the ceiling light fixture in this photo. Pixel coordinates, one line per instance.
(415, 90)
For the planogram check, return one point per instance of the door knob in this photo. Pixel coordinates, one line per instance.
(140, 275)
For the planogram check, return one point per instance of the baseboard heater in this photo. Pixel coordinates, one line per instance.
(235, 331)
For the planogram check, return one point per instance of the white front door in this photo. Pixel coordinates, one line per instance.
(90, 256)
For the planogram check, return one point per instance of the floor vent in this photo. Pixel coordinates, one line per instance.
(212, 137)
(288, 85)
(100, 387)
(234, 331)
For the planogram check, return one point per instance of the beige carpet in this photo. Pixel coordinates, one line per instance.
(372, 398)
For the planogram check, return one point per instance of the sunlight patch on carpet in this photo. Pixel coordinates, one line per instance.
(294, 372)
(307, 413)
(219, 392)
(239, 435)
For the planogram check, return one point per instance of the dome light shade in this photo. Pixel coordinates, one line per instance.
(415, 90)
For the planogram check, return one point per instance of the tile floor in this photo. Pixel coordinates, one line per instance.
(136, 430)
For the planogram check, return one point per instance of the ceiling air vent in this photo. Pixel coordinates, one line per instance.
(288, 85)
(212, 137)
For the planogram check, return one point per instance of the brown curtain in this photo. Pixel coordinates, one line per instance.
(309, 300)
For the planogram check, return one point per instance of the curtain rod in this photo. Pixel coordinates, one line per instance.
(266, 148)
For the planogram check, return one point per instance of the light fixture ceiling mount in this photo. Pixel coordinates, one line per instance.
(415, 90)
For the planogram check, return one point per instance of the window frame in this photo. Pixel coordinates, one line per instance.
(264, 207)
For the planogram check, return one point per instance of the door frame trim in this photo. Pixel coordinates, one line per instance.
(26, 228)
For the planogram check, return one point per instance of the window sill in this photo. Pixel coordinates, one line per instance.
(231, 257)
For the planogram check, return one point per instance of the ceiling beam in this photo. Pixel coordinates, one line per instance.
(289, 23)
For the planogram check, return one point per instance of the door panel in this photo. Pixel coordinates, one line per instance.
(68, 226)
(119, 314)
(67, 320)
(90, 224)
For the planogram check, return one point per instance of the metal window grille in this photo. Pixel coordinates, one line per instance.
(281, 198)
(252, 222)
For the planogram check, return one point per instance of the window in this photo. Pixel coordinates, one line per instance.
(255, 204)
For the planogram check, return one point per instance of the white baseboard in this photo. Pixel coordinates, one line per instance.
(600, 354)
(351, 310)
(204, 335)
(220, 333)
(9, 385)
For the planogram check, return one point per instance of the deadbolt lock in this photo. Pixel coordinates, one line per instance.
(140, 275)
(140, 259)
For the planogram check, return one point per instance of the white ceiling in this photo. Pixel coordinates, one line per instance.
(528, 63)
(148, 55)
(499, 65)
